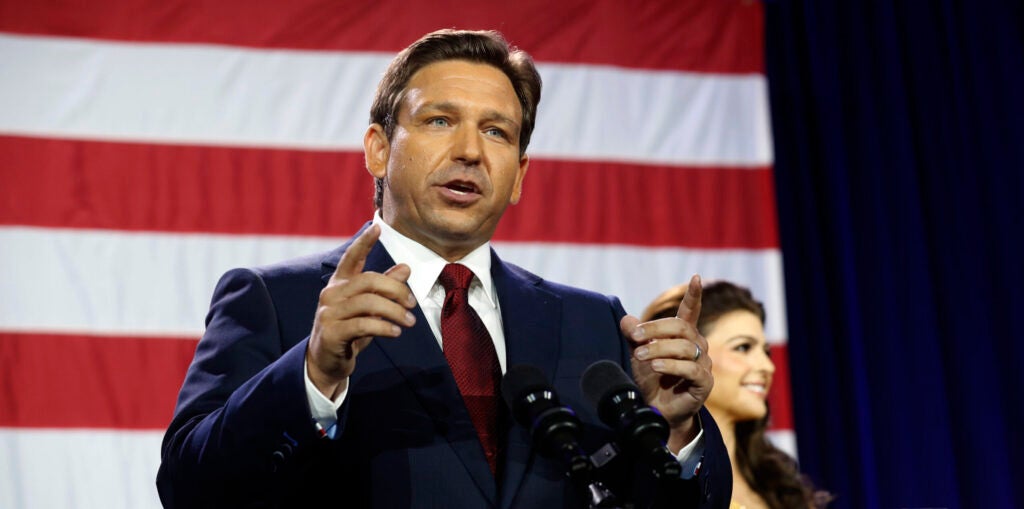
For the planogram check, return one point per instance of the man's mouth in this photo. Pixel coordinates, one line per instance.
(462, 187)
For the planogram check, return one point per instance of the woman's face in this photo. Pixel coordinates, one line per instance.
(741, 367)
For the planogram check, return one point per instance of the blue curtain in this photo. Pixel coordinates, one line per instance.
(899, 136)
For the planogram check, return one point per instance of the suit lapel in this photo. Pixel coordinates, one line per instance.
(416, 355)
(531, 318)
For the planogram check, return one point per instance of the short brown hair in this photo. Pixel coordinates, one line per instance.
(482, 46)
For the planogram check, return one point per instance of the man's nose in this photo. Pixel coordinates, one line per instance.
(466, 147)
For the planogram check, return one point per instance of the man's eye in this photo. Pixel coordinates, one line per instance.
(494, 131)
(438, 122)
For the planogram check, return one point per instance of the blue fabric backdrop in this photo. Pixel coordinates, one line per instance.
(899, 134)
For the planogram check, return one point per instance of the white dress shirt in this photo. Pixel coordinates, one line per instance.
(425, 266)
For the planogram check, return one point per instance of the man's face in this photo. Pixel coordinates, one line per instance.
(452, 165)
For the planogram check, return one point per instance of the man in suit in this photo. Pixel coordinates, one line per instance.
(368, 376)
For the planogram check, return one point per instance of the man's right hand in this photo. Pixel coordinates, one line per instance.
(355, 307)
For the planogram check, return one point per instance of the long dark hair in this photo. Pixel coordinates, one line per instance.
(768, 470)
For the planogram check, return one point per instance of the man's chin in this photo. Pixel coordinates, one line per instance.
(450, 237)
(460, 227)
(462, 235)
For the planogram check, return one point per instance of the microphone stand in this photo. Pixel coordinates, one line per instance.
(599, 496)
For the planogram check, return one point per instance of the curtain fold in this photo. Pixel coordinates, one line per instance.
(899, 137)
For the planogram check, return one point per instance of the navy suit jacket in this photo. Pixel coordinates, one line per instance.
(242, 434)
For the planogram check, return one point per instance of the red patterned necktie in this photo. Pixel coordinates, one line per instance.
(471, 356)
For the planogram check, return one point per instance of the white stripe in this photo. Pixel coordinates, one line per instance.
(124, 283)
(611, 114)
(78, 469)
(637, 275)
(99, 281)
(218, 95)
(784, 439)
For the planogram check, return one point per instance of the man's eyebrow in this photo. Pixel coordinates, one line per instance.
(450, 107)
(445, 106)
(501, 118)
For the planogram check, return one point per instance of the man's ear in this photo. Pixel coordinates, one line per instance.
(377, 150)
(517, 191)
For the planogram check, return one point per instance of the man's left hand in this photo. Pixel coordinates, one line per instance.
(671, 374)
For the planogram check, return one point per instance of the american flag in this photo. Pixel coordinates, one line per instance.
(147, 147)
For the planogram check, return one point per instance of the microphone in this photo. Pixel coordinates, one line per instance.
(641, 430)
(554, 428)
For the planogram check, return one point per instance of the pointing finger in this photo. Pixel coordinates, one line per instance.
(689, 308)
(354, 259)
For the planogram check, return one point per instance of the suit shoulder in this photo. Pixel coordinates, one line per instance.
(302, 266)
(299, 268)
(297, 280)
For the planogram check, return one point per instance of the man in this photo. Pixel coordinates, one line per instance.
(348, 379)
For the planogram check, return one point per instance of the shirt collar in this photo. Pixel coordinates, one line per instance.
(427, 265)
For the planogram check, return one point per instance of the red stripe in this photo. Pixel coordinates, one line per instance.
(780, 399)
(142, 187)
(73, 381)
(693, 35)
(61, 381)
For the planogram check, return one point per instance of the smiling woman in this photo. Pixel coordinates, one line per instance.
(733, 324)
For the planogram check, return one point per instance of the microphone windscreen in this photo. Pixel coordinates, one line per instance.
(520, 380)
(602, 378)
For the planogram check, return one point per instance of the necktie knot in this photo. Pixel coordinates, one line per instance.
(455, 276)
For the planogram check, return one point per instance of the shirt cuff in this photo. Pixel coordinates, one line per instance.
(324, 410)
(691, 455)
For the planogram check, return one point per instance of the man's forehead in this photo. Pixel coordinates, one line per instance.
(458, 65)
(455, 84)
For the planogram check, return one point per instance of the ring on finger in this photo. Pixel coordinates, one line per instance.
(698, 354)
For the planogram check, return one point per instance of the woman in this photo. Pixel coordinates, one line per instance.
(733, 323)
